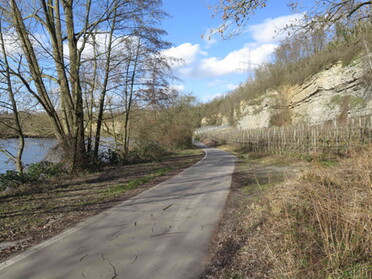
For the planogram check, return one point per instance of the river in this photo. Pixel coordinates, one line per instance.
(36, 150)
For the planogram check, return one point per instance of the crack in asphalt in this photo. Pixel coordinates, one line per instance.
(82, 258)
(165, 233)
(113, 267)
(135, 259)
(167, 207)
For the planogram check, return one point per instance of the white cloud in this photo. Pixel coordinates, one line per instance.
(223, 84)
(99, 46)
(217, 96)
(232, 63)
(184, 54)
(13, 44)
(216, 82)
(271, 29)
(178, 87)
(266, 36)
(232, 86)
(186, 71)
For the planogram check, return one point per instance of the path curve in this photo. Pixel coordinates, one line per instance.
(162, 233)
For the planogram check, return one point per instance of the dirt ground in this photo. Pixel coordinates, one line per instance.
(39, 211)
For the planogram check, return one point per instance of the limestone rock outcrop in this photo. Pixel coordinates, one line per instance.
(334, 93)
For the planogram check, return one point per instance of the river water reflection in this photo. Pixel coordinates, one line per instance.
(38, 149)
(35, 150)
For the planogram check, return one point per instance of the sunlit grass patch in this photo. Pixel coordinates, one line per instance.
(132, 184)
(188, 152)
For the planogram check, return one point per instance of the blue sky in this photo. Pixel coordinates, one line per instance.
(214, 67)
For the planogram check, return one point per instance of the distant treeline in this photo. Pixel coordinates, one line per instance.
(36, 125)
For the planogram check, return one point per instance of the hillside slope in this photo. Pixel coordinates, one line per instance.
(337, 92)
(334, 93)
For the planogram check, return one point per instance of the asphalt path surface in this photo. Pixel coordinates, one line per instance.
(161, 233)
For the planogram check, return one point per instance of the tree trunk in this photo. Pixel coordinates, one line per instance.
(104, 88)
(79, 154)
(129, 104)
(9, 86)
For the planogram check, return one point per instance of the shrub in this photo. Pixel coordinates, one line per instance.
(44, 169)
(35, 172)
(282, 118)
(12, 179)
(149, 151)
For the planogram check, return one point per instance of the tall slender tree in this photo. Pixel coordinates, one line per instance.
(8, 85)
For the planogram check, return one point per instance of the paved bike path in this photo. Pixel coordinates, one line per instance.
(162, 233)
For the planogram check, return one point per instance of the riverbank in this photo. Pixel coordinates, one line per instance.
(291, 218)
(39, 211)
(27, 136)
(35, 150)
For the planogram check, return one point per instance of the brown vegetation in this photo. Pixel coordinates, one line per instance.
(322, 222)
(314, 225)
(328, 138)
(34, 125)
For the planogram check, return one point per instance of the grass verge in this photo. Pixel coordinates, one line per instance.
(309, 223)
(41, 210)
(132, 184)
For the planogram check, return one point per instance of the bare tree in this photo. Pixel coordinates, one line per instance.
(54, 37)
(144, 79)
(7, 82)
(129, 40)
(236, 13)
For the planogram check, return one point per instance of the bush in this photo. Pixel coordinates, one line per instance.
(44, 170)
(12, 179)
(150, 151)
(35, 172)
(282, 118)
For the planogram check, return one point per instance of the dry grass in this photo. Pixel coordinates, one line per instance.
(238, 249)
(322, 222)
(314, 224)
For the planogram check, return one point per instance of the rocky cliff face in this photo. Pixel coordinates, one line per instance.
(335, 93)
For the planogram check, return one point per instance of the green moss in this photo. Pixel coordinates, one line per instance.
(354, 101)
(357, 102)
(257, 110)
(257, 101)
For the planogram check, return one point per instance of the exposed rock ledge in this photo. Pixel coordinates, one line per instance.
(326, 96)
